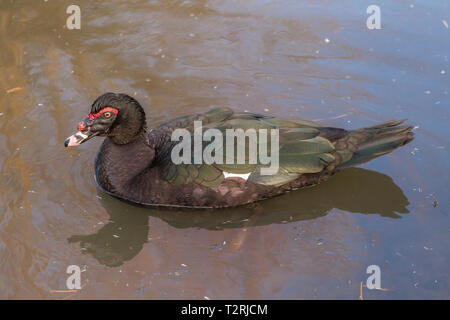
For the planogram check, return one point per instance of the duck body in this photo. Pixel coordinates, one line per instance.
(149, 185)
(136, 164)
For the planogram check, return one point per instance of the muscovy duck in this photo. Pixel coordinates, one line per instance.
(135, 164)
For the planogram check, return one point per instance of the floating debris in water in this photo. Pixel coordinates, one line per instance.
(445, 23)
(299, 236)
(141, 290)
(218, 246)
(14, 90)
(435, 202)
(332, 118)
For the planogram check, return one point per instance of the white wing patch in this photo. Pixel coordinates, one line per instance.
(236, 175)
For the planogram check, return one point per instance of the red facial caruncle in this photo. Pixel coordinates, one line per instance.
(82, 126)
(98, 114)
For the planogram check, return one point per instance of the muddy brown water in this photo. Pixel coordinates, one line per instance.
(313, 59)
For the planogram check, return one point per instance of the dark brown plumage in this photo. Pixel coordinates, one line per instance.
(134, 163)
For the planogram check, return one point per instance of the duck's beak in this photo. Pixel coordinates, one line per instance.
(78, 138)
(82, 135)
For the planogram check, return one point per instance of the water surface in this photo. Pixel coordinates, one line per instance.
(311, 59)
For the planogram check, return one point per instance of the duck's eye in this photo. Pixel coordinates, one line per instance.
(107, 114)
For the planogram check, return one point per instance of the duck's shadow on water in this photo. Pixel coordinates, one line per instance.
(353, 190)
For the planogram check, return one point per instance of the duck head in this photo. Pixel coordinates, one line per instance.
(114, 115)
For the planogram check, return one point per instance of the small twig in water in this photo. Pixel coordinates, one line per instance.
(360, 292)
(72, 292)
(13, 90)
(332, 118)
(381, 289)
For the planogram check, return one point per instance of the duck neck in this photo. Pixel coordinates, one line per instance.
(127, 132)
(118, 165)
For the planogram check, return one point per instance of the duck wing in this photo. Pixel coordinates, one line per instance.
(304, 147)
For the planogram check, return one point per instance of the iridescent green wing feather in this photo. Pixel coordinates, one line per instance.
(301, 150)
(180, 174)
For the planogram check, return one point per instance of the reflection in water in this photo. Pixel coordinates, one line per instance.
(351, 190)
(180, 57)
